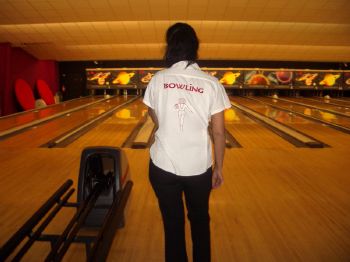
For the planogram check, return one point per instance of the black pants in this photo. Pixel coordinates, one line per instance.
(169, 189)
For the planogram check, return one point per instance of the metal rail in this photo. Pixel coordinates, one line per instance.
(102, 241)
(110, 225)
(26, 229)
(63, 242)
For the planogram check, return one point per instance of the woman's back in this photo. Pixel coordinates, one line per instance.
(184, 98)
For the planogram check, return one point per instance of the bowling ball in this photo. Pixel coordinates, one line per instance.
(284, 77)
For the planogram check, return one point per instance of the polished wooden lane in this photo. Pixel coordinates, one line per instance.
(319, 104)
(26, 117)
(44, 133)
(330, 100)
(250, 134)
(290, 205)
(322, 115)
(327, 103)
(116, 129)
(276, 204)
(341, 101)
(316, 130)
(30, 176)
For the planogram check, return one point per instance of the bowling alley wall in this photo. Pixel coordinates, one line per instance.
(15, 63)
(97, 78)
(79, 78)
(82, 78)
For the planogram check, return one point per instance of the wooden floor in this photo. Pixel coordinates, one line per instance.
(276, 204)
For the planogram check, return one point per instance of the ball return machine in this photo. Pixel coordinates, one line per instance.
(104, 186)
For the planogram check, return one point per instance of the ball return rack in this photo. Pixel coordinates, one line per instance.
(104, 186)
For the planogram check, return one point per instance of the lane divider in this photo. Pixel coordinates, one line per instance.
(75, 133)
(144, 135)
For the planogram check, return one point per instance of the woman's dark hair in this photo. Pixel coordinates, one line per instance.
(182, 44)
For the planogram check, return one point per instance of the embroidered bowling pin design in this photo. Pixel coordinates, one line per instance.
(181, 108)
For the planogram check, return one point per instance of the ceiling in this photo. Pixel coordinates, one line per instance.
(282, 30)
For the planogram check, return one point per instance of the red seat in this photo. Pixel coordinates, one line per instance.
(24, 94)
(45, 92)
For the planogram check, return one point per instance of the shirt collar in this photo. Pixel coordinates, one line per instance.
(183, 65)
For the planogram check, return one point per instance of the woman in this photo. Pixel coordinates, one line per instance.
(182, 100)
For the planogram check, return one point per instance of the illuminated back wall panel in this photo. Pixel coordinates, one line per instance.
(114, 78)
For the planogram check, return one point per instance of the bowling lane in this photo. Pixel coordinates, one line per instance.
(319, 104)
(22, 118)
(342, 99)
(41, 134)
(317, 113)
(317, 130)
(114, 130)
(250, 134)
(334, 101)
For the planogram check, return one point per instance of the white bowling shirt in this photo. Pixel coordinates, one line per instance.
(184, 98)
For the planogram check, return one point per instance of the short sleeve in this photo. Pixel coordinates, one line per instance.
(220, 100)
(148, 98)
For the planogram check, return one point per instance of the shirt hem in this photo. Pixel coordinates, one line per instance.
(220, 110)
(147, 104)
